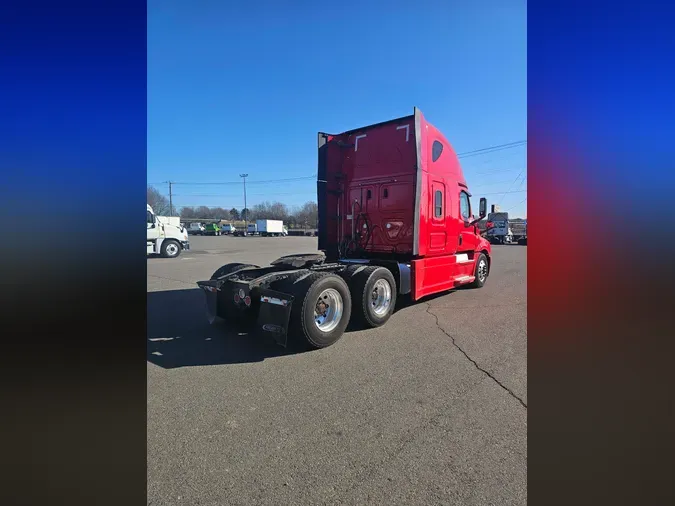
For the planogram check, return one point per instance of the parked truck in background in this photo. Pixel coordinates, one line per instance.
(196, 229)
(272, 228)
(522, 238)
(502, 230)
(164, 236)
(395, 219)
(228, 229)
(211, 229)
(252, 229)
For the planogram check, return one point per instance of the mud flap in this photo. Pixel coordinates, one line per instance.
(211, 292)
(274, 313)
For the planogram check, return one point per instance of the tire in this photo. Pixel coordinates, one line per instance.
(374, 293)
(481, 271)
(306, 287)
(229, 269)
(170, 249)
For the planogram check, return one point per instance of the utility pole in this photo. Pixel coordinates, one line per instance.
(245, 207)
(170, 199)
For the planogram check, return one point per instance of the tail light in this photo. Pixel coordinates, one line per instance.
(247, 300)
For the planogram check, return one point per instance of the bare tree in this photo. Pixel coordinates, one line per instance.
(270, 211)
(158, 202)
(218, 213)
(203, 212)
(307, 215)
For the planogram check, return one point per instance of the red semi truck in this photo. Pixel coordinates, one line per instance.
(395, 219)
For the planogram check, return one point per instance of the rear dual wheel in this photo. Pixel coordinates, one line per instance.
(374, 292)
(321, 308)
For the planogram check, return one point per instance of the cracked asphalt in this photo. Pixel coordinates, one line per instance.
(429, 409)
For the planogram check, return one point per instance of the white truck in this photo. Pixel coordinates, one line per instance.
(271, 228)
(197, 229)
(228, 229)
(170, 220)
(166, 236)
(502, 230)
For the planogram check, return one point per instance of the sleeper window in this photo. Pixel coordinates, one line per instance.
(436, 150)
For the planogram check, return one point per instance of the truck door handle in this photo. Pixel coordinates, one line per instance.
(460, 239)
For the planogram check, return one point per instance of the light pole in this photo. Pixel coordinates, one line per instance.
(245, 207)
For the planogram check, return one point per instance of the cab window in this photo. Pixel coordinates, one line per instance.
(464, 205)
(150, 217)
(438, 204)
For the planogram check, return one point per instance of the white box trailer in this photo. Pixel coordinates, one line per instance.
(271, 227)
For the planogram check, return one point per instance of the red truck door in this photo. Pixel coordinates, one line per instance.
(468, 240)
(440, 237)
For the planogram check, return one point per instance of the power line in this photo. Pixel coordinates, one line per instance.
(488, 184)
(475, 152)
(499, 171)
(295, 193)
(513, 207)
(230, 195)
(514, 182)
(501, 193)
(492, 149)
(251, 182)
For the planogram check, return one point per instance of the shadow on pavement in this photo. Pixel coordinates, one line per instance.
(179, 334)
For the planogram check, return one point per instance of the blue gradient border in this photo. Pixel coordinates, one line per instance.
(600, 132)
(72, 184)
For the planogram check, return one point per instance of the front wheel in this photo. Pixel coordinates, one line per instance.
(481, 272)
(170, 249)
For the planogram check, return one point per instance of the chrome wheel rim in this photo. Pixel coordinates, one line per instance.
(172, 249)
(380, 297)
(328, 310)
(482, 270)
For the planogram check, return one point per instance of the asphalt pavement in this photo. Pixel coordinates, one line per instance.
(431, 408)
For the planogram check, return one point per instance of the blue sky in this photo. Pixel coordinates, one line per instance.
(246, 89)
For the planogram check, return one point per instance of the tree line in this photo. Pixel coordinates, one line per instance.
(301, 216)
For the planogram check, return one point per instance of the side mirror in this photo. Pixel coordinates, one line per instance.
(482, 208)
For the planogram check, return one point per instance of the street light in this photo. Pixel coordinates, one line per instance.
(245, 207)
